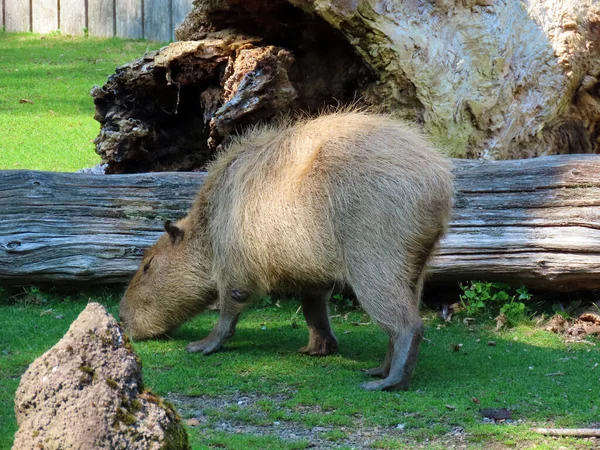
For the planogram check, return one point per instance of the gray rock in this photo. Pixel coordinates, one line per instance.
(87, 392)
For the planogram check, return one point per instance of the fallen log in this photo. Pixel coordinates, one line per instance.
(534, 221)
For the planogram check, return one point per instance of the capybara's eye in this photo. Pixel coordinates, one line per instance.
(147, 265)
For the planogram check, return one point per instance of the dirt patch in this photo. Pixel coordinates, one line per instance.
(243, 414)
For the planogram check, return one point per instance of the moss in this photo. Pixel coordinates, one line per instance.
(112, 383)
(179, 439)
(136, 405)
(35, 434)
(171, 410)
(87, 369)
(148, 395)
(106, 341)
(125, 417)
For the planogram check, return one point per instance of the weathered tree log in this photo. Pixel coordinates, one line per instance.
(486, 79)
(533, 221)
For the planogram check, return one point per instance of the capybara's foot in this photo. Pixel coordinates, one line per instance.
(320, 347)
(386, 385)
(400, 367)
(380, 371)
(207, 346)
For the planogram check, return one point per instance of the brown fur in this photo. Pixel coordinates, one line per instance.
(348, 197)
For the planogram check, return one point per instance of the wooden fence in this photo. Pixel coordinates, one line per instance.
(147, 19)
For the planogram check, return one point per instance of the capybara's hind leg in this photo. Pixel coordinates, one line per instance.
(230, 309)
(406, 351)
(394, 307)
(384, 369)
(321, 340)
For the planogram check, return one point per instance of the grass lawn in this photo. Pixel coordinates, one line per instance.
(46, 112)
(259, 392)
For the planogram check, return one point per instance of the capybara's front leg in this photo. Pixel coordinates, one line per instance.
(321, 340)
(406, 351)
(231, 308)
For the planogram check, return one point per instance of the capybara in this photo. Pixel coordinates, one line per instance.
(348, 198)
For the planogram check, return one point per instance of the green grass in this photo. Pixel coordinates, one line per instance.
(303, 392)
(46, 112)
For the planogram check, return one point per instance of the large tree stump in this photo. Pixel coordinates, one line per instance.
(532, 221)
(171, 109)
(486, 79)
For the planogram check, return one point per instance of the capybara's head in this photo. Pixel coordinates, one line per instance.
(171, 285)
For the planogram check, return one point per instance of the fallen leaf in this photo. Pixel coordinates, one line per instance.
(26, 100)
(500, 322)
(450, 407)
(192, 422)
(492, 343)
(475, 400)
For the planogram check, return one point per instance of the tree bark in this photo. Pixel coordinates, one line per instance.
(485, 79)
(534, 221)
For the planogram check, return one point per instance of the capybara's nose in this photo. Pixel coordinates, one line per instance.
(123, 314)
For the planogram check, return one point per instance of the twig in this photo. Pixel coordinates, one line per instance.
(579, 341)
(580, 432)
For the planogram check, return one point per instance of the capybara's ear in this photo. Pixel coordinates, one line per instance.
(175, 233)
